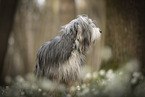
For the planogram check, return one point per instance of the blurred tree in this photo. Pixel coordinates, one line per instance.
(125, 29)
(36, 22)
(67, 11)
(7, 12)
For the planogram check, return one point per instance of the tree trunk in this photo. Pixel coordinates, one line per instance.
(7, 12)
(67, 11)
(125, 29)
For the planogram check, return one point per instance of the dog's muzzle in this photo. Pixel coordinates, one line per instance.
(96, 35)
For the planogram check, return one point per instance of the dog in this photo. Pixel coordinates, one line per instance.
(62, 58)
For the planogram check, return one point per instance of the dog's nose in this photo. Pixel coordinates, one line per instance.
(100, 31)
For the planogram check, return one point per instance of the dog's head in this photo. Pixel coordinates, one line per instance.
(83, 31)
(88, 28)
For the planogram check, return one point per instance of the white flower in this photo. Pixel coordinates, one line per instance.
(136, 74)
(88, 76)
(40, 2)
(39, 90)
(102, 72)
(110, 74)
(134, 80)
(19, 79)
(78, 88)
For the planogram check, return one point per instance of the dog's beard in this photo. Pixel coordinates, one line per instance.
(96, 35)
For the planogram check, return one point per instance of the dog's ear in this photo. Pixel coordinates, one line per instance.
(78, 30)
(75, 26)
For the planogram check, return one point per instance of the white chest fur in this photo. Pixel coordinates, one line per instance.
(70, 70)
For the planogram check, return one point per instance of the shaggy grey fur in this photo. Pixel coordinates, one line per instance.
(61, 58)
